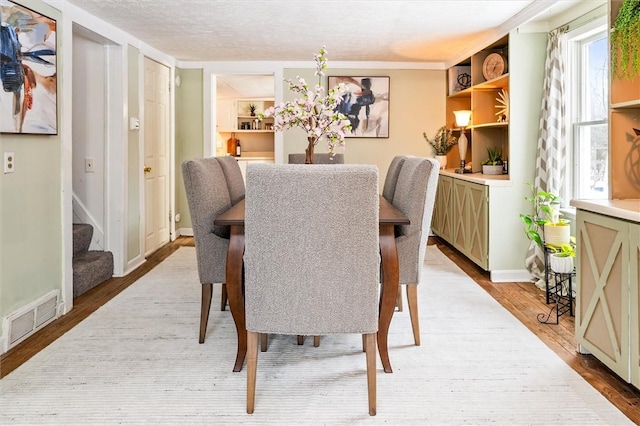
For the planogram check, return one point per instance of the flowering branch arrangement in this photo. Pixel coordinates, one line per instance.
(442, 142)
(314, 112)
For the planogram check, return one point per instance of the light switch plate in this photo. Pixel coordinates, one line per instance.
(134, 123)
(89, 165)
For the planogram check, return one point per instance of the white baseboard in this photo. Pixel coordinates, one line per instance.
(510, 275)
(133, 264)
(184, 232)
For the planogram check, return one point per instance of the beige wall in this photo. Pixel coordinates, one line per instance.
(189, 132)
(416, 105)
(31, 207)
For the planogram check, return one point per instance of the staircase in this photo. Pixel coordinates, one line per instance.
(90, 267)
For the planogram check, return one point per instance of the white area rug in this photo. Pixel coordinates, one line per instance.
(137, 361)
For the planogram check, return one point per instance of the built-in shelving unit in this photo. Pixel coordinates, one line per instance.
(486, 130)
(477, 213)
(623, 119)
(234, 119)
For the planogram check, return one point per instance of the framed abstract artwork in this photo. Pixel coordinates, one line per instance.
(366, 104)
(28, 99)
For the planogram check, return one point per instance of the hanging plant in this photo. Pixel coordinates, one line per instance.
(625, 41)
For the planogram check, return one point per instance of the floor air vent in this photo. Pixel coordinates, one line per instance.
(26, 321)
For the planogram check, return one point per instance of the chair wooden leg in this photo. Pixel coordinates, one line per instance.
(223, 297)
(399, 301)
(370, 344)
(252, 365)
(300, 340)
(207, 290)
(264, 342)
(412, 300)
(316, 341)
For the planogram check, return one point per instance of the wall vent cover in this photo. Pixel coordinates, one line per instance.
(24, 322)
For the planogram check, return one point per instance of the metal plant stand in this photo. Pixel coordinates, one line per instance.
(559, 291)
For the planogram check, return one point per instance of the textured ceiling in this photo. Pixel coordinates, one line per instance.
(292, 30)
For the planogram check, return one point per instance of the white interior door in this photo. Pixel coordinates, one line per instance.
(156, 154)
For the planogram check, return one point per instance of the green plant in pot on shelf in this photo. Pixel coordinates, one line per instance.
(625, 41)
(441, 143)
(493, 164)
(544, 226)
(252, 109)
(561, 259)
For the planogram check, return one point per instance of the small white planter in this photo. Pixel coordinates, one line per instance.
(492, 170)
(443, 161)
(561, 265)
(556, 235)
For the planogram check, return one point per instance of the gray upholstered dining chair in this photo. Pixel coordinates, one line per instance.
(311, 257)
(388, 189)
(233, 176)
(319, 158)
(208, 196)
(414, 195)
(392, 177)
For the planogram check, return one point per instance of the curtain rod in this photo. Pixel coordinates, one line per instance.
(588, 17)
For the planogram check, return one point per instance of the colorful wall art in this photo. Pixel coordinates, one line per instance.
(28, 99)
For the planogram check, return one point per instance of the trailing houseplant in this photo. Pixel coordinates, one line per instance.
(625, 41)
(544, 226)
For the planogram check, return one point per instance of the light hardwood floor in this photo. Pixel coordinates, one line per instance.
(523, 300)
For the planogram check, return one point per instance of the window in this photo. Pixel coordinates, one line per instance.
(587, 112)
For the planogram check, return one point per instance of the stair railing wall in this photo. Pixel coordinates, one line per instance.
(82, 215)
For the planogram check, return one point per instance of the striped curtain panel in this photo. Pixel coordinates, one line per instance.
(552, 146)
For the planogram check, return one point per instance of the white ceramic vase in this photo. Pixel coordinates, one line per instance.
(561, 265)
(443, 161)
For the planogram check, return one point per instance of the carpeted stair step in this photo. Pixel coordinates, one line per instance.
(82, 234)
(90, 269)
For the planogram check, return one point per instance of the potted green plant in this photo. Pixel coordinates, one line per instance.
(544, 225)
(252, 109)
(561, 259)
(493, 165)
(625, 41)
(442, 143)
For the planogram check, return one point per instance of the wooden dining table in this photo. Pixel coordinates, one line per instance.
(389, 216)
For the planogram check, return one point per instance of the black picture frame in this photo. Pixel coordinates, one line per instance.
(366, 104)
(28, 71)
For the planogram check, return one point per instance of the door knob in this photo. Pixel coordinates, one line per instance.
(147, 169)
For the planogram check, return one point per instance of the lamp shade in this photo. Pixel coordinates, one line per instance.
(462, 117)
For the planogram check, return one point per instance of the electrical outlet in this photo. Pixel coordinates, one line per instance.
(89, 165)
(9, 162)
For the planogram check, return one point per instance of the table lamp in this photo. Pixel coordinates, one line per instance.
(462, 120)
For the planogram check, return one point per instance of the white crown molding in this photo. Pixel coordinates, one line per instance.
(249, 67)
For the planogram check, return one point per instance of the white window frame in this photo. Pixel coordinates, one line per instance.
(575, 72)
